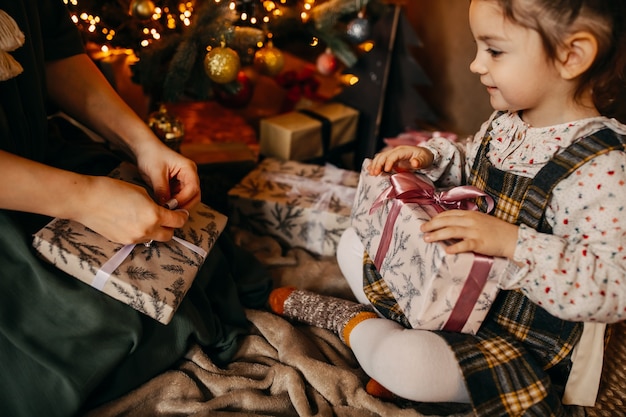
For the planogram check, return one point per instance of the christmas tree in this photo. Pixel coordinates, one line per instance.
(197, 50)
(178, 43)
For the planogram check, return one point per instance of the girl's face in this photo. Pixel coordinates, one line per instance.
(512, 63)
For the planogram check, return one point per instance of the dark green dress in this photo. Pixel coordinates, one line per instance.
(64, 346)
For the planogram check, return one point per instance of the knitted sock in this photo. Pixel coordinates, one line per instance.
(332, 313)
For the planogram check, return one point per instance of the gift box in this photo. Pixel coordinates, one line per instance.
(434, 290)
(152, 279)
(302, 205)
(309, 134)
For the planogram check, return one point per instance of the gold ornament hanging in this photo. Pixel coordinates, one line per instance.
(222, 64)
(269, 60)
(142, 9)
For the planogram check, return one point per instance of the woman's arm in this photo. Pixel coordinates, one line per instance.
(120, 211)
(77, 86)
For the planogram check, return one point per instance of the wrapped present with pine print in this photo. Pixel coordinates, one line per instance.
(302, 205)
(152, 279)
(422, 286)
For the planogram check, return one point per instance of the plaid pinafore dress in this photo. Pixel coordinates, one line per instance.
(519, 360)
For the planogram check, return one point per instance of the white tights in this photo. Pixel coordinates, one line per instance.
(414, 364)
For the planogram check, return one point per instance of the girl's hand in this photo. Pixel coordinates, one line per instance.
(399, 158)
(125, 213)
(474, 231)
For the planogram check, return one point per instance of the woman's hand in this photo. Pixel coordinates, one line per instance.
(474, 232)
(125, 213)
(170, 174)
(404, 157)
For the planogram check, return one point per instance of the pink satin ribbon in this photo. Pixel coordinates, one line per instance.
(406, 188)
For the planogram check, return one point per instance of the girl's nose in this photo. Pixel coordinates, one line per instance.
(476, 67)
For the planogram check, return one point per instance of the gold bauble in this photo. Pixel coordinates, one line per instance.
(222, 64)
(142, 9)
(269, 60)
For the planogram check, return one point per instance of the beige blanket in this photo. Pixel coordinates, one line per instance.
(281, 369)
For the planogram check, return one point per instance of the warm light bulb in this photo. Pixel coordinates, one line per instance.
(349, 79)
(366, 46)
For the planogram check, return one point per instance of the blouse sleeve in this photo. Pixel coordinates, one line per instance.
(579, 272)
(453, 160)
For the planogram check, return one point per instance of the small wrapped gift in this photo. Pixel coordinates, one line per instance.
(152, 279)
(302, 205)
(307, 134)
(434, 290)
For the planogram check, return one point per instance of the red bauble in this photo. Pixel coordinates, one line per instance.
(327, 63)
(241, 97)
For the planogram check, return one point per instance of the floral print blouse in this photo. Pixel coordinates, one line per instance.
(577, 273)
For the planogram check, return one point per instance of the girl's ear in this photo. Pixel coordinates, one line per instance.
(576, 54)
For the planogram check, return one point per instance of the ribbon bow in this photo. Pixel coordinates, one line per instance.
(406, 187)
(410, 188)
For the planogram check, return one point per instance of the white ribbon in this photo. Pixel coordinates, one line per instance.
(105, 271)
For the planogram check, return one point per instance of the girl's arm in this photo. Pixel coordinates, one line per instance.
(452, 161)
(579, 272)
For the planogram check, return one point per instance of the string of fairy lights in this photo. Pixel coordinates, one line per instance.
(153, 20)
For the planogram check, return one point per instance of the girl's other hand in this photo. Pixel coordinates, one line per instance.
(473, 231)
(399, 158)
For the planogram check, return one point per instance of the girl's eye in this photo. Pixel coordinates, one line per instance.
(493, 52)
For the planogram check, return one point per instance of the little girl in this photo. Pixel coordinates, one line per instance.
(556, 170)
